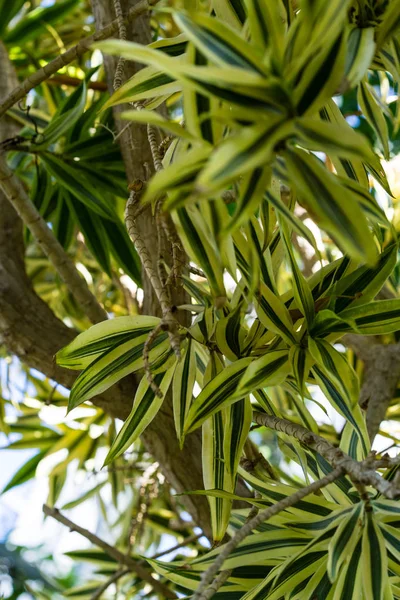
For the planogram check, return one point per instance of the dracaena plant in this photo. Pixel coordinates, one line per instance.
(259, 137)
(265, 203)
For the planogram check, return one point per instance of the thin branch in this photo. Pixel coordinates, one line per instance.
(189, 540)
(70, 55)
(113, 552)
(119, 71)
(63, 79)
(117, 575)
(208, 576)
(215, 585)
(363, 472)
(17, 196)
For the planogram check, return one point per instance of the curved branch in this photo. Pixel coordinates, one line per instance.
(363, 472)
(243, 532)
(64, 265)
(121, 558)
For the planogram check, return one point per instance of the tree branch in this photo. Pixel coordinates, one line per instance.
(70, 55)
(121, 558)
(262, 516)
(363, 472)
(16, 194)
(380, 377)
(117, 575)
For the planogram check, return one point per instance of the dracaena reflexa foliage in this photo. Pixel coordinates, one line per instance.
(259, 141)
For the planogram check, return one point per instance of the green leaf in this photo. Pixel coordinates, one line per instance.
(342, 401)
(373, 113)
(301, 290)
(249, 149)
(182, 388)
(116, 363)
(149, 116)
(215, 472)
(216, 394)
(26, 472)
(374, 560)
(237, 426)
(65, 118)
(146, 405)
(340, 140)
(75, 182)
(8, 10)
(219, 42)
(200, 246)
(100, 338)
(301, 363)
(243, 88)
(270, 369)
(344, 541)
(390, 22)
(363, 284)
(123, 250)
(93, 231)
(229, 333)
(321, 76)
(189, 579)
(181, 172)
(298, 226)
(278, 542)
(251, 194)
(274, 315)
(86, 496)
(56, 484)
(360, 53)
(375, 318)
(267, 28)
(349, 584)
(34, 22)
(334, 206)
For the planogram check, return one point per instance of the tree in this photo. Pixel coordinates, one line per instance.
(202, 242)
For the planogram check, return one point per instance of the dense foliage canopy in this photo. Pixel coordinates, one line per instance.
(207, 242)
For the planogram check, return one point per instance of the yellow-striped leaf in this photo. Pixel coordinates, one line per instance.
(102, 337)
(344, 541)
(374, 560)
(146, 405)
(217, 394)
(375, 318)
(373, 113)
(219, 42)
(274, 315)
(333, 205)
(182, 387)
(116, 363)
(268, 370)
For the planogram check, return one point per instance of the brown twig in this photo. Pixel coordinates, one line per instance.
(119, 71)
(117, 575)
(70, 55)
(189, 540)
(215, 585)
(363, 472)
(62, 79)
(113, 552)
(145, 499)
(15, 193)
(208, 576)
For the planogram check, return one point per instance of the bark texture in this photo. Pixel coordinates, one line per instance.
(30, 330)
(182, 468)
